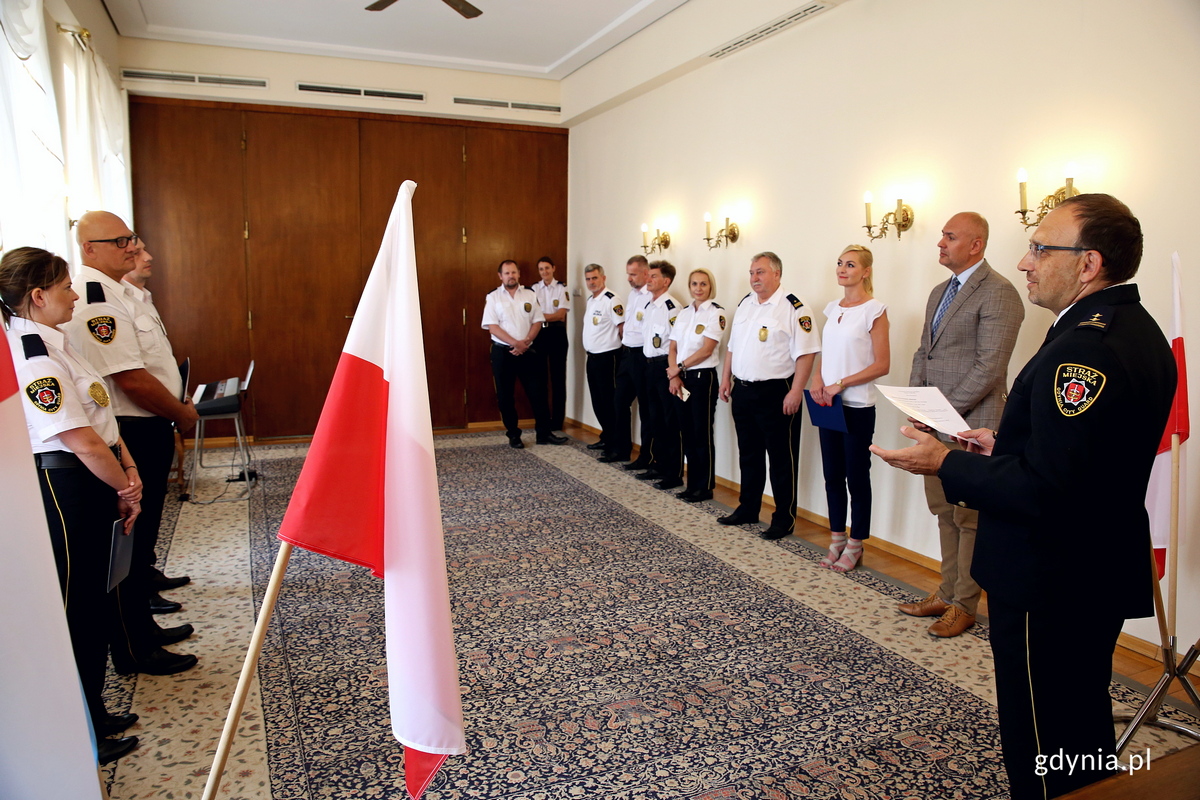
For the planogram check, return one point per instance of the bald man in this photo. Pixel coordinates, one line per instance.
(126, 342)
(971, 325)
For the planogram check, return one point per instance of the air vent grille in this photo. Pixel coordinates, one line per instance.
(538, 107)
(770, 29)
(187, 77)
(355, 91)
(480, 101)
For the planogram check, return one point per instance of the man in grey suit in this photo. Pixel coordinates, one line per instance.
(971, 325)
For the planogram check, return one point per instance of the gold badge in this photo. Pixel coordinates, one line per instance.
(556, 304)
(528, 308)
(699, 329)
(762, 333)
(45, 394)
(103, 329)
(1076, 387)
(595, 320)
(98, 393)
(639, 316)
(806, 323)
(657, 341)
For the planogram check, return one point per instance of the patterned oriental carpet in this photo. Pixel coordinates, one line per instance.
(613, 642)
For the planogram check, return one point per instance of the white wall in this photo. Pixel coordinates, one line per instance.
(941, 100)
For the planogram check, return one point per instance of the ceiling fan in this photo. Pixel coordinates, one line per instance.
(461, 6)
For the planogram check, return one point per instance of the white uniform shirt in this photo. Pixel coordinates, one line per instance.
(514, 314)
(658, 320)
(61, 390)
(848, 348)
(694, 326)
(553, 297)
(767, 338)
(604, 314)
(635, 311)
(121, 332)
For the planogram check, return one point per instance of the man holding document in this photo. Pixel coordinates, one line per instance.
(971, 325)
(1064, 539)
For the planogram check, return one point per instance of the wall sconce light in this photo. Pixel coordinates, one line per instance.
(727, 235)
(901, 218)
(660, 242)
(1049, 202)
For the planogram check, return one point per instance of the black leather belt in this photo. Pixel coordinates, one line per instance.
(558, 324)
(740, 382)
(656, 358)
(62, 459)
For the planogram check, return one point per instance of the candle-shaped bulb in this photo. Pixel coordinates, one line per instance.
(707, 225)
(867, 202)
(1022, 180)
(645, 230)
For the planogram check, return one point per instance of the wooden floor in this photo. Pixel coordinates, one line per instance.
(1132, 665)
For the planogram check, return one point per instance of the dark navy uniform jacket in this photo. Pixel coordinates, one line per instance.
(1062, 497)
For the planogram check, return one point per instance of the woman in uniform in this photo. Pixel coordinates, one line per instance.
(855, 353)
(693, 357)
(87, 479)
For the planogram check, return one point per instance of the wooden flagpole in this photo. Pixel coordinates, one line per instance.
(244, 680)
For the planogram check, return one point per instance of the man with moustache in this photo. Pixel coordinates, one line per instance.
(632, 373)
(602, 323)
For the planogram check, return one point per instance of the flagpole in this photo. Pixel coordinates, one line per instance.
(244, 680)
(1173, 541)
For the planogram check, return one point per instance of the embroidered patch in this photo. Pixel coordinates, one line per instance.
(98, 393)
(699, 329)
(806, 323)
(1076, 387)
(672, 321)
(762, 333)
(45, 394)
(103, 329)
(619, 310)
(528, 307)
(722, 319)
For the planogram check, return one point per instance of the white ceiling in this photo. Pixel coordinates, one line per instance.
(535, 38)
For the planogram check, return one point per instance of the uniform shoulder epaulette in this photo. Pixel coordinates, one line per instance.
(744, 298)
(718, 305)
(670, 304)
(1098, 320)
(609, 295)
(795, 301)
(34, 346)
(95, 292)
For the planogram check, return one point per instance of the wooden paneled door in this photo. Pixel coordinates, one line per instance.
(187, 178)
(516, 203)
(303, 260)
(432, 155)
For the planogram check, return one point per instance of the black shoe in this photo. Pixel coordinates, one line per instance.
(112, 724)
(596, 446)
(772, 533)
(109, 750)
(652, 475)
(737, 518)
(160, 605)
(164, 636)
(612, 458)
(695, 496)
(636, 465)
(515, 443)
(156, 662)
(668, 483)
(160, 582)
(552, 438)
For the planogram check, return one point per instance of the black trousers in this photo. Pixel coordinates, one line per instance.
(846, 462)
(662, 427)
(602, 386)
(631, 380)
(1052, 696)
(552, 344)
(696, 420)
(530, 369)
(765, 432)
(80, 511)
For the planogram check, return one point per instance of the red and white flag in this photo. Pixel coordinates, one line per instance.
(46, 746)
(1158, 495)
(368, 494)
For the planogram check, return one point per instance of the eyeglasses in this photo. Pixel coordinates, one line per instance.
(1039, 250)
(121, 241)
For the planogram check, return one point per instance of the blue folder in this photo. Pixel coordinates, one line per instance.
(829, 417)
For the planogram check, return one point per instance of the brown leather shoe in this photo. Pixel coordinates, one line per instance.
(932, 606)
(952, 623)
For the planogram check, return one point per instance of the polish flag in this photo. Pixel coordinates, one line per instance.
(1158, 495)
(46, 745)
(368, 494)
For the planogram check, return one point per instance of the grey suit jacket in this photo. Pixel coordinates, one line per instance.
(968, 359)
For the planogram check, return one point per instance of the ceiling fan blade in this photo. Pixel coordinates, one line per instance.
(463, 7)
(380, 5)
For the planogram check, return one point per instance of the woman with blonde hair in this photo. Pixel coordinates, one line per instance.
(855, 353)
(693, 358)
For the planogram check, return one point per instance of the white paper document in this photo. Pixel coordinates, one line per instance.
(926, 404)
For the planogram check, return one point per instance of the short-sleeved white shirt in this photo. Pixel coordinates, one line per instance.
(600, 323)
(553, 297)
(515, 314)
(767, 338)
(635, 311)
(847, 348)
(658, 321)
(60, 390)
(693, 326)
(116, 331)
